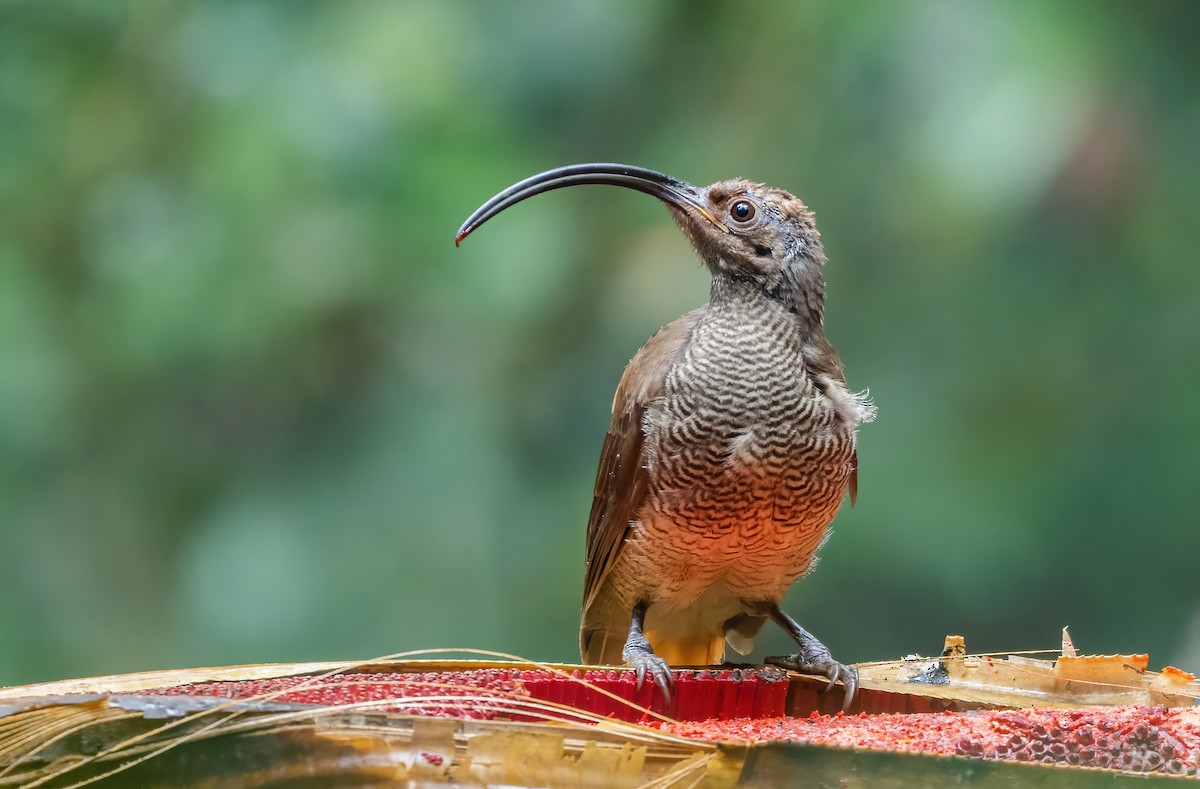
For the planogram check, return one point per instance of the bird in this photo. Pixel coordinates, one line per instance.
(732, 444)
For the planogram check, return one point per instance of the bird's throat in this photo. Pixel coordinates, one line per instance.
(805, 301)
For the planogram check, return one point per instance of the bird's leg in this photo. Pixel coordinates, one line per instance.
(813, 657)
(638, 654)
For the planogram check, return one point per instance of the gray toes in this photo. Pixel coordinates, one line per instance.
(646, 662)
(825, 666)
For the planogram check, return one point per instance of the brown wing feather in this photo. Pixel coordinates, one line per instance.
(621, 478)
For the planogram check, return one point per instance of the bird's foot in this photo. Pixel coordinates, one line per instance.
(814, 658)
(639, 656)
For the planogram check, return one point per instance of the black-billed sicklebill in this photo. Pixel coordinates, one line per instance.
(732, 441)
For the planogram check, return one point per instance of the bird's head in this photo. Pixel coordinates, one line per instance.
(744, 232)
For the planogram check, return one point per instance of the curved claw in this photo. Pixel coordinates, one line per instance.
(659, 672)
(849, 677)
(826, 667)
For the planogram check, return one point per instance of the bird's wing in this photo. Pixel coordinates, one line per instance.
(621, 479)
(829, 373)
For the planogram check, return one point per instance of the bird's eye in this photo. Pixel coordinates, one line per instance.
(742, 211)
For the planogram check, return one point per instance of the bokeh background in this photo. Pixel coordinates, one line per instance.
(254, 406)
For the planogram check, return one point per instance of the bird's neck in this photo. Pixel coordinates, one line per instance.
(806, 301)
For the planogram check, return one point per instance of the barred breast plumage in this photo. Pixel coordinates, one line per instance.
(748, 463)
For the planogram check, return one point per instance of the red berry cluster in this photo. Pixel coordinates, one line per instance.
(1142, 745)
(485, 693)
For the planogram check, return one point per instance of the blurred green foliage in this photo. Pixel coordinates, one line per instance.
(254, 406)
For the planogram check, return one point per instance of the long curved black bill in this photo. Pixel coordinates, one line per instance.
(670, 190)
